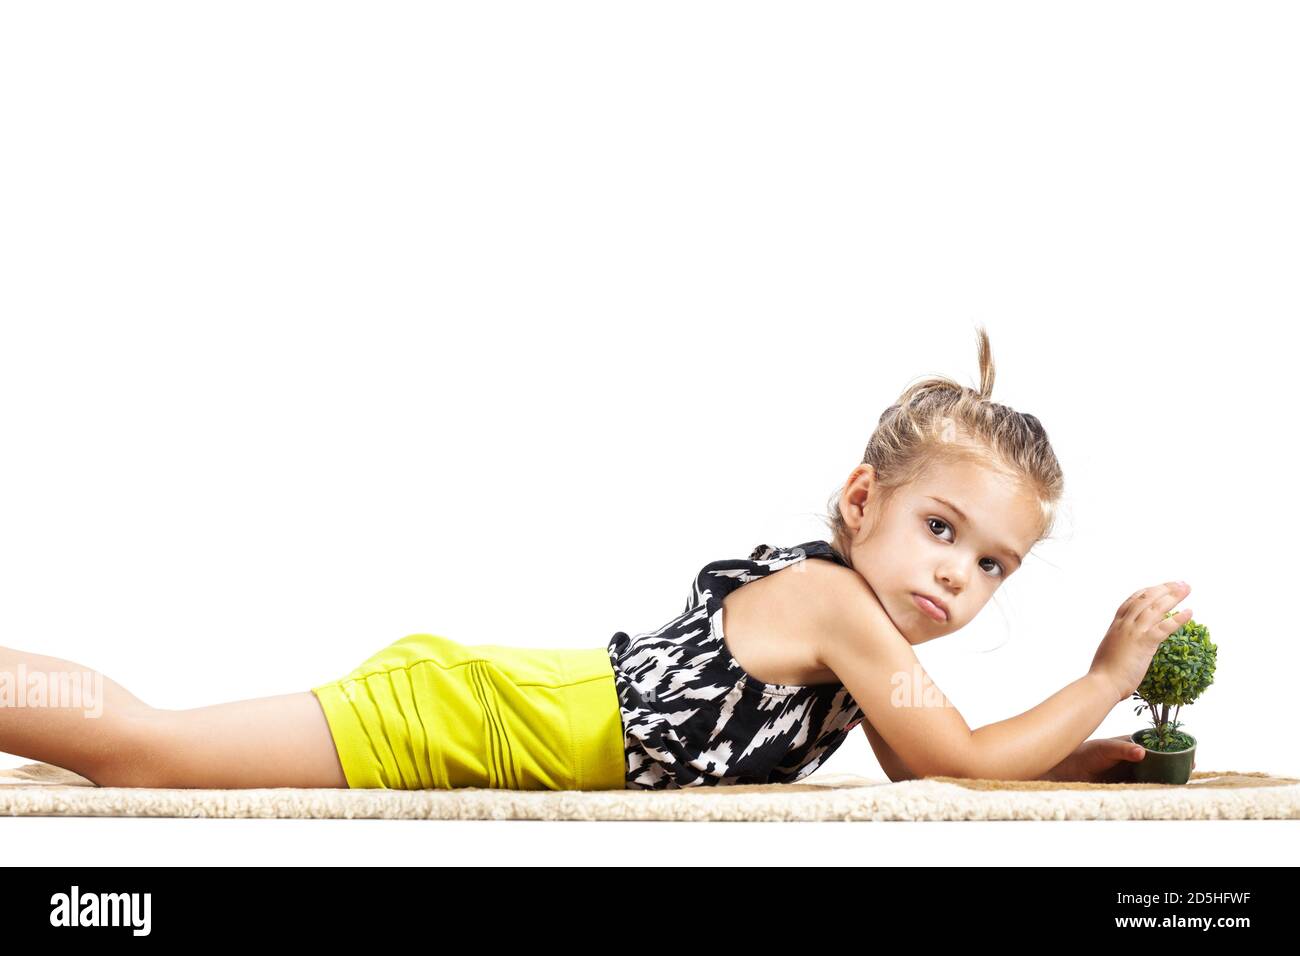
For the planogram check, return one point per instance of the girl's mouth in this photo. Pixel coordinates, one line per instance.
(930, 608)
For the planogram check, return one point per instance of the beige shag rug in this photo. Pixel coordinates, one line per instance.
(40, 789)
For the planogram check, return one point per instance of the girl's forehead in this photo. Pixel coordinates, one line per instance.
(990, 502)
(975, 479)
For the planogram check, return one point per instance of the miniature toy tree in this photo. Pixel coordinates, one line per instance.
(1183, 666)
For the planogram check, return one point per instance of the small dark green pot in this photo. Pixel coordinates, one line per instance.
(1159, 767)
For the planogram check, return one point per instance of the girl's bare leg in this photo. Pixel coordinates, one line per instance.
(281, 741)
(63, 713)
(114, 739)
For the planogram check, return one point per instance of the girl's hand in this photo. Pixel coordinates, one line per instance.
(1140, 625)
(1101, 760)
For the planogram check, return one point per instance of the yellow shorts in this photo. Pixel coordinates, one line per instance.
(429, 713)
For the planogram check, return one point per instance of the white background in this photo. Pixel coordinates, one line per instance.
(322, 324)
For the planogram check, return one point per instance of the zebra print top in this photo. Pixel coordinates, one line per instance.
(692, 716)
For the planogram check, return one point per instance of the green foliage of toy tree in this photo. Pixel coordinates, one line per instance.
(1180, 670)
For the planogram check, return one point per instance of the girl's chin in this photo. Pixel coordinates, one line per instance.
(913, 627)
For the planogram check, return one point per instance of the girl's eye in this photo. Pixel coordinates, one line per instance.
(930, 521)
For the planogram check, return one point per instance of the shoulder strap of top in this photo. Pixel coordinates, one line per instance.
(717, 579)
(811, 549)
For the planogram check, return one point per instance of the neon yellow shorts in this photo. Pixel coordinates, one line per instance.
(429, 713)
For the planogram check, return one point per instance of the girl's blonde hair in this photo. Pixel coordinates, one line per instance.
(938, 420)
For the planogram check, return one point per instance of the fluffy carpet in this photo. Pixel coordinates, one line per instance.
(40, 789)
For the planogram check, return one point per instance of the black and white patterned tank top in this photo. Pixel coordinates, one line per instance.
(692, 716)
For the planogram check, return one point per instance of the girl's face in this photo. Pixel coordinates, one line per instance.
(956, 553)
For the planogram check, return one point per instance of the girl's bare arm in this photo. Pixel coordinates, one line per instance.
(916, 722)
(889, 761)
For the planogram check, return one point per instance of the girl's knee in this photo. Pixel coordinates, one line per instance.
(139, 749)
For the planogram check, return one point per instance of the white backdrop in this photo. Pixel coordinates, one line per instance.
(327, 323)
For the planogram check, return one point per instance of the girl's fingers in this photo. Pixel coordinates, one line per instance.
(1160, 601)
(1168, 625)
(1128, 604)
(1133, 606)
(1126, 748)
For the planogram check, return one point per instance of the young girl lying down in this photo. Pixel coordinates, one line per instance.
(774, 660)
